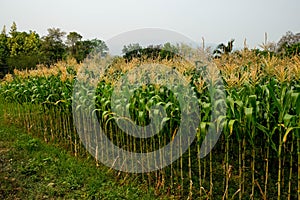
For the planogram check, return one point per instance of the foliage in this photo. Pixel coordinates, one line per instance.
(24, 50)
(72, 39)
(21, 49)
(23, 61)
(167, 51)
(223, 49)
(87, 47)
(131, 47)
(292, 50)
(288, 44)
(52, 47)
(288, 39)
(4, 50)
(255, 157)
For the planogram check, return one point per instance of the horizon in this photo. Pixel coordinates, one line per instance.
(134, 37)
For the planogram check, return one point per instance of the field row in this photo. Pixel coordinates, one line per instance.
(252, 101)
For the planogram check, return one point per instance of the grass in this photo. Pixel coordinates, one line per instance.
(32, 169)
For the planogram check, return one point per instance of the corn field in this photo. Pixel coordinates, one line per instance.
(256, 157)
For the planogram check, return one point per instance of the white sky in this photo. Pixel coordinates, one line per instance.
(215, 20)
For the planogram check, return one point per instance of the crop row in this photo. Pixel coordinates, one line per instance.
(256, 156)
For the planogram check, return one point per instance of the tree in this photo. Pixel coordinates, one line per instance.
(170, 47)
(23, 43)
(287, 45)
(4, 51)
(223, 49)
(184, 50)
(52, 46)
(13, 29)
(292, 50)
(55, 34)
(86, 47)
(72, 39)
(32, 43)
(23, 48)
(131, 47)
(99, 46)
(167, 51)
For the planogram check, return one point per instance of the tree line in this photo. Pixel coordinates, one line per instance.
(24, 50)
(287, 46)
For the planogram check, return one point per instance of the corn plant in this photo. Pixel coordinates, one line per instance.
(255, 156)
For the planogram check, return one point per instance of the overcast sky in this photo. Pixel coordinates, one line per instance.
(215, 20)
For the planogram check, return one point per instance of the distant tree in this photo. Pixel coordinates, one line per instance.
(23, 48)
(32, 43)
(184, 50)
(170, 47)
(86, 47)
(99, 46)
(72, 39)
(55, 34)
(132, 51)
(23, 61)
(223, 49)
(4, 51)
(288, 44)
(131, 47)
(16, 43)
(13, 29)
(292, 50)
(167, 51)
(151, 52)
(52, 46)
(136, 51)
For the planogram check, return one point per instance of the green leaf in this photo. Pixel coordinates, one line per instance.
(203, 128)
(164, 120)
(297, 104)
(249, 114)
(230, 101)
(252, 100)
(295, 97)
(287, 119)
(262, 128)
(230, 125)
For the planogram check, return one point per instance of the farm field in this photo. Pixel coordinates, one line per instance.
(256, 156)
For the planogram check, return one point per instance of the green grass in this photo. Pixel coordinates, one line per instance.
(32, 169)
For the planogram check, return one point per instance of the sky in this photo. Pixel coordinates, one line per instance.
(217, 21)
